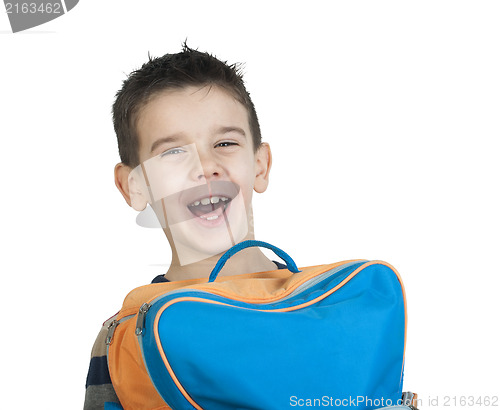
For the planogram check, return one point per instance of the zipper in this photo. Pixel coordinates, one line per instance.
(112, 327)
(314, 281)
(141, 317)
(111, 331)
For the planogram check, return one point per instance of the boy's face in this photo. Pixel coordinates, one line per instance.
(198, 169)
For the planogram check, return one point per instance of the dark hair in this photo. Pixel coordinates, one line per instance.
(174, 71)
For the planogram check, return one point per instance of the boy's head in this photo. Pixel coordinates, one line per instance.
(174, 72)
(190, 146)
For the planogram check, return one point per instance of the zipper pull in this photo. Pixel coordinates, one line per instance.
(111, 331)
(141, 316)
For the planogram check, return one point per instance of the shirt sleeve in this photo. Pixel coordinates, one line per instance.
(98, 388)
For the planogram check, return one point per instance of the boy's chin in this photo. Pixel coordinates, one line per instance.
(193, 246)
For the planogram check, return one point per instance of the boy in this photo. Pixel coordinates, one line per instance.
(190, 147)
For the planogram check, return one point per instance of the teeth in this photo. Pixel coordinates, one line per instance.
(209, 200)
(209, 218)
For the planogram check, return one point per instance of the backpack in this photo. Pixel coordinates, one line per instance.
(326, 335)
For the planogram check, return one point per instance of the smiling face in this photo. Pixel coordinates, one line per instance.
(200, 168)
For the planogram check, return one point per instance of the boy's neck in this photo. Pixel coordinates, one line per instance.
(249, 260)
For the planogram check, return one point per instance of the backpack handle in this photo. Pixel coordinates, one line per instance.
(290, 264)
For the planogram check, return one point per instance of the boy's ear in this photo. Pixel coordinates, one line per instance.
(263, 162)
(130, 182)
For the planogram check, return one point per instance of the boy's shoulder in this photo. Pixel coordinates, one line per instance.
(98, 388)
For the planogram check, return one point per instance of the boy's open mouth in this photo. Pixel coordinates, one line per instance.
(210, 207)
(210, 201)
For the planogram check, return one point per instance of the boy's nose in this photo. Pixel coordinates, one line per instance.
(209, 168)
(207, 174)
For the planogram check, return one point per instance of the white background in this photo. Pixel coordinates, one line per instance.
(383, 118)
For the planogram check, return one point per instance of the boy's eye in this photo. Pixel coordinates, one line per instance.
(172, 151)
(226, 144)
